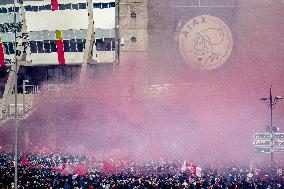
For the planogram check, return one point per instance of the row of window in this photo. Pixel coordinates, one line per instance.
(76, 6)
(49, 46)
(73, 45)
(106, 44)
(9, 27)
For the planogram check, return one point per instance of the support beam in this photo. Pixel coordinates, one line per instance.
(89, 42)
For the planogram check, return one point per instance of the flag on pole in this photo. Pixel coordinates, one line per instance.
(189, 168)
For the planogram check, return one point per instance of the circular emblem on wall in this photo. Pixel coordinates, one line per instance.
(205, 42)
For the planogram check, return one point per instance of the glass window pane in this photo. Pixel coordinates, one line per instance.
(66, 44)
(40, 47)
(11, 48)
(53, 46)
(33, 47)
(73, 45)
(47, 48)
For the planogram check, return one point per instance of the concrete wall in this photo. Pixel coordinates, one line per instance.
(135, 28)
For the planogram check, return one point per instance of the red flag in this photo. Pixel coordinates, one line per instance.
(24, 161)
(65, 169)
(2, 60)
(189, 168)
(80, 169)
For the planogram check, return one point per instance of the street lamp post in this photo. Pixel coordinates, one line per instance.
(271, 102)
(16, 102)
(24, 93)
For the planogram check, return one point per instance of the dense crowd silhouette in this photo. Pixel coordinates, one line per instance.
(62, 170)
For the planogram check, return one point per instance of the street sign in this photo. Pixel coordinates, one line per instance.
(262, 149)
(261, 136)
(279, 150)
(261, 142)
(279, 143)
(279, 136)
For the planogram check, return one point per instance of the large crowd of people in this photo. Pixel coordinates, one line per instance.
(60, 170)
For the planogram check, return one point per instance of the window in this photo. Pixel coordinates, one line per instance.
(6, 48)
(105, 45)
(33, 47)
(133, 15)
(66, 44)
(75, 6)
(10, 9)
(133, 39)
(112, 4)
(47, 48)
(73, 45)
(35, 8)
(68, 6)
(4, 10)
(11, 48)
(28, 8)
(41, 8)
(61, 7)
(53, 46)
(97, 5)
(104, 5)
(40, 46)
(47, 7)
(80, 45)
(82, 5)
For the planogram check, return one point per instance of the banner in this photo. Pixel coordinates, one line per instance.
(2, 59)
(54, 5)
(59, 47)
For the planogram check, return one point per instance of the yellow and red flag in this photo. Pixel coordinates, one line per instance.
(59, 47)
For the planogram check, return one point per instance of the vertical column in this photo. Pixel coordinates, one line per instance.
(89, 41)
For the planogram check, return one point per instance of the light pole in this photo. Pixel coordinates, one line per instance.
(271, 103)
(24, 92)
(16, 102)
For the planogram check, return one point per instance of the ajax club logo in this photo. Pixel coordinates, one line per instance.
(205, 42)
